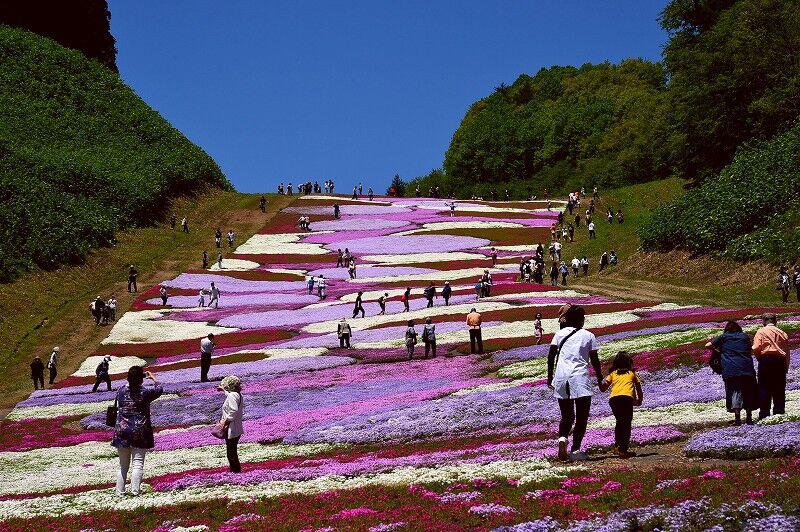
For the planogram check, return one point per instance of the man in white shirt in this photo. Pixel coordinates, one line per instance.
(576, 265)
(557, 250)
(214, 295)
(591, 230)
(52, 364)
(206, 350)
(572, 349)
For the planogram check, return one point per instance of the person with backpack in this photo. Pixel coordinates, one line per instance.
(359, 307)
(430, 293)
(572, 350)
(101, 374)
(411, 339)
(429, 338)
(784, 283)
(446, 292)
(344, 332)
(733, 351)
(231, 420)
(626, 392)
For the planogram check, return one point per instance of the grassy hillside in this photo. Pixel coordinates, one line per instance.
(81, 156)
(51, 308)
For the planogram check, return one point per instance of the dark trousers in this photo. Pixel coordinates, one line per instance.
(574, 411)
(164, 301)
(622, 407)
(132, 284)
(205, 365)
(771, 385)
(233, 454)
(96, 315)
(383, 307)
(797, 288)
(52, 375)
(446, 300)
(432, 347)
(430, 303)
(358, 309)
(475, 336)
(344, 340)
(38, 381)
(102, 378)
(405, 305)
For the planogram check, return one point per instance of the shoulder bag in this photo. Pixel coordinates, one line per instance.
(111, 414)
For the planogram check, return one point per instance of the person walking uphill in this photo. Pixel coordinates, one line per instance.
(411, 339)
(344, 332)
(626, 392)
(231, 420)
(446, 291)
(359, 307)
(37, 372)
(52, 364)
(206, 350)
(133, 431)
(771, 348)
(571, 351)
(738, 372)
(101, 374)
(429, 337)
(474, 324)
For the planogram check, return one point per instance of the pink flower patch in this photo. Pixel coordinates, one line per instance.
(354, 512)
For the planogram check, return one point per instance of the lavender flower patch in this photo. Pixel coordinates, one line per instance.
(755, 441)
(358, 224)
(348, 210)
(341, 236)
(266, 299)
(371, 271)
(393, 245)
(196, 281)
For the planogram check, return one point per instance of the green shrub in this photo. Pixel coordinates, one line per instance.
(81, 156)
(747, 211)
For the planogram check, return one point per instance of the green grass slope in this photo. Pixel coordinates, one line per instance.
(81, 156)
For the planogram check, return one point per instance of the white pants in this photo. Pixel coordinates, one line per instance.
(126, 456)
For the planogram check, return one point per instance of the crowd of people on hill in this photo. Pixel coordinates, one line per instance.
(306, 188)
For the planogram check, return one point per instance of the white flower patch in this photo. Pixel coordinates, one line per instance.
(65, 409)
(685, 414)
(445, 226)
(301, 273)
(237, 265)
(419, 314)
(58, 468)
(494, 387)
(275, 353)
(652, 342)
(116, 365)
(280, 244)
(414, 258)
(526, 471)
(142, 326)
(515, 249)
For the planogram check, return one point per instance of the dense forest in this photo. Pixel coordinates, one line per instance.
(730, 74)
(81, 155)
(84, 25)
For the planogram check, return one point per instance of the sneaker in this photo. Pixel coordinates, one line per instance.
(578, 456)
(562, 449)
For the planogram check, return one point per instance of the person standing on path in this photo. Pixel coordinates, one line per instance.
(262, 203)
(164, 295)
(446, 291)
(231, 237)
(132, 273)
(494, 257)
(343, 331)
(351, 268)
(771, 349)
(206, 350)
(321, 286)
(218, 238)
(339, 259)
(538, 330)
(219, 259)
(133, 432)
(738, 373)
(231, 420)
(101, 374)
(310, 284)
(337, 212)
(591, 231)
(382, 303)
(98, 305)
(475, 337)
(37, 372)
(571, 351)
(370, 193)
(52, 364)
(185, 225)
(429, 338)
(411, 339)
(784, 283)
(406, 299)
(359, 307)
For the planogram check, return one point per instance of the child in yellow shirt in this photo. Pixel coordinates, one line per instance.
(626, 392)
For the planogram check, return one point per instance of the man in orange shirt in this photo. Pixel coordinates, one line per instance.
(474, 324)
(771, 349)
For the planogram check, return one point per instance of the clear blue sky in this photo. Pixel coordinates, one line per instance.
(351, 90)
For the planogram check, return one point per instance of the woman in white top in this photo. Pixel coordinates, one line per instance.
(572, 350)
(231, 420)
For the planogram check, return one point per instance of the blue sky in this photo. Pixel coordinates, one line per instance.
(351, 90)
